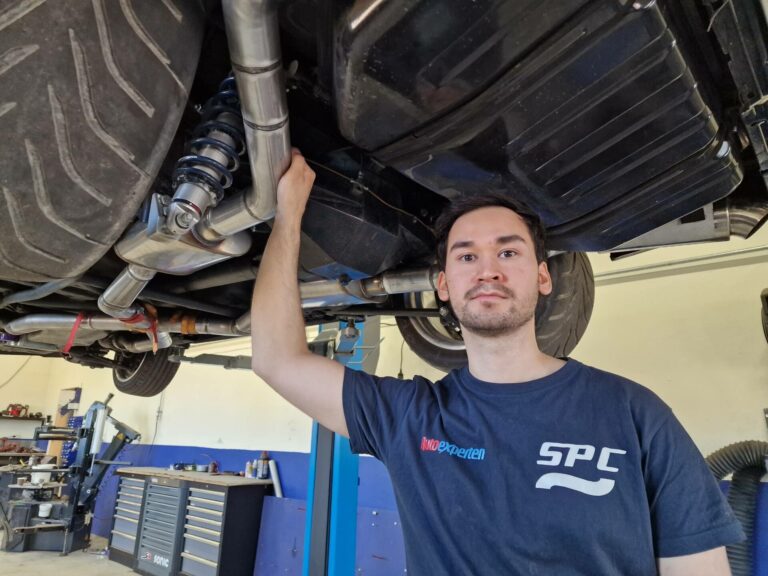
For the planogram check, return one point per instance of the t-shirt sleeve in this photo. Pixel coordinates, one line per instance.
(374, 407)
(689, 513)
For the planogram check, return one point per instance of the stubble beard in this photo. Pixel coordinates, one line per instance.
(489, 321)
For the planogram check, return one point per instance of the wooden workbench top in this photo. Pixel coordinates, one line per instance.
(189, 476)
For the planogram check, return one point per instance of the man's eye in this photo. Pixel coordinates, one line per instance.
(467, 257)
(507, 253)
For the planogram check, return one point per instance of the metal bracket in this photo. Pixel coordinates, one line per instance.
(226, 362)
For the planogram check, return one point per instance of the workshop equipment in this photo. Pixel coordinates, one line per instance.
(65, 524)
(16, 411)
(194, 523)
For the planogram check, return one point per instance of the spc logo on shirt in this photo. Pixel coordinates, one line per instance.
(553, 452)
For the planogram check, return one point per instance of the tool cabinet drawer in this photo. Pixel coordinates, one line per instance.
(201, 547)
(195, 566)
(124, 542)
(203, 531)
(206, 503)
(126, 525)
(204, 514)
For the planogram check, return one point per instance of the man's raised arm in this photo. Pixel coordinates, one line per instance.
(280, 355)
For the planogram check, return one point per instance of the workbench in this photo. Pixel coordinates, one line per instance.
(169, 522)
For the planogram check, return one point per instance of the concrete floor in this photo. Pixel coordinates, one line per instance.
(80, 563)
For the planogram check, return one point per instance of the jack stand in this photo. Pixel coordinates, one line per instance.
(330, 537)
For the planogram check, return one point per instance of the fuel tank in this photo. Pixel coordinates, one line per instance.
(591, 113)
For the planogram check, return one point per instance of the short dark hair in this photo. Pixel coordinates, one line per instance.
(460, 206)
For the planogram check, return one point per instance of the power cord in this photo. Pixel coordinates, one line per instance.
(15, 373)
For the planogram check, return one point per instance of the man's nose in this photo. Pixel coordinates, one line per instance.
(489, 270)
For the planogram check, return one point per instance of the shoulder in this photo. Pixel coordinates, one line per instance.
(644, 405)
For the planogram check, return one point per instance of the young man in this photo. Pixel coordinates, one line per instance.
(519, 463)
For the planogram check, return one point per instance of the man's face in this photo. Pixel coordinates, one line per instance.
(491, 276)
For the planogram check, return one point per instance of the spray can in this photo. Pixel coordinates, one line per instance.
(262, 468)
(248, 469)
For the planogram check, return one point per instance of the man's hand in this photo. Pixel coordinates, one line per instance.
(294, 188)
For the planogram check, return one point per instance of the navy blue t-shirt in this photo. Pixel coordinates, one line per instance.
(580, 472)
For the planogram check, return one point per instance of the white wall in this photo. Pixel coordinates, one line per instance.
(30, 385)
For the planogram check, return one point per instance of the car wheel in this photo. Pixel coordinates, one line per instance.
(91, 96)
(561, 317)
(145, 374)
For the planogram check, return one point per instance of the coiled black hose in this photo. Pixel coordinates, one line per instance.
(746, 460)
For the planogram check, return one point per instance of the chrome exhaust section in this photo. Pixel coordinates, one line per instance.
(176, 239)
(324, 294)
(254, 48)
(117, 300)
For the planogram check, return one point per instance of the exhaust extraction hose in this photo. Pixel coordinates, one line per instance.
(746, 460)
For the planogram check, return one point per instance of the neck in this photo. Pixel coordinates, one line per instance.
(509, 358)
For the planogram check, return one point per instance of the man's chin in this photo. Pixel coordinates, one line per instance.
(493, 323)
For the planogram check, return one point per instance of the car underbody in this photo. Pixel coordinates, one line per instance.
(624, 126)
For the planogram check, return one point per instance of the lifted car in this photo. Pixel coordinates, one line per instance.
(142, 144)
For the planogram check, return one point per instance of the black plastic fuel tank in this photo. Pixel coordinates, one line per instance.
(587, 112)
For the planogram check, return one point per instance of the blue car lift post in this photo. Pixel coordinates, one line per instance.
(331, 526)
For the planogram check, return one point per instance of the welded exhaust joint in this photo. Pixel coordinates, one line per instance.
(254, 47)
(119, 297)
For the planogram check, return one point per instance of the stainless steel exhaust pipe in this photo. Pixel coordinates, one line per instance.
(117, 300)
(323, 293)
(254, 48)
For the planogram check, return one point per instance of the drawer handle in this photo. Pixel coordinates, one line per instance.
(201, 539)
(126, 519)
(194, 491)
(122, 494)
(206, 501)
(127, 510)
(123, 534)
(201, 529)
(205, 520)
(198, 559)
(204, 510)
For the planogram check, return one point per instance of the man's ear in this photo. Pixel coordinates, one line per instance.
(545, 280)
(442, 287)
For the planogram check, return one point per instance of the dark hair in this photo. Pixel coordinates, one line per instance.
(457, 208)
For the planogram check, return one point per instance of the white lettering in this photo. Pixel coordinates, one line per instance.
(602, 462)
(546, 450)
(575, 452)
(579, 452)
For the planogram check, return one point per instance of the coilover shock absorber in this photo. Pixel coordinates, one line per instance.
(200, 177)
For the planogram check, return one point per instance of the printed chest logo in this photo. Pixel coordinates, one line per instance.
(444, 447)
(552, 455)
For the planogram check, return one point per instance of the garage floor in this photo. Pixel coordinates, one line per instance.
(88, 563)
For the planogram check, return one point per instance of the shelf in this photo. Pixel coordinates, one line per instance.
(22, 418)
(36, 487)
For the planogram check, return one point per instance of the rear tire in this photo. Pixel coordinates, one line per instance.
(561, 317)
(145, 374)
(91, 96)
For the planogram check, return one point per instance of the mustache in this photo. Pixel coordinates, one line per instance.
(488, 288)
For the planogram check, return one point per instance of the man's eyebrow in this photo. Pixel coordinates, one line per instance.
(461, 244)
(500, 240)
(509, 239)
